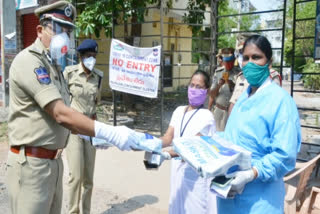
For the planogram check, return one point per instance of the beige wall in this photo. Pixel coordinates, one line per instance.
(153, 29)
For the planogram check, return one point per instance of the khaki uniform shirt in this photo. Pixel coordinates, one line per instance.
(275, 76)
(83, 89)
(34, 83)
(241, 85)
(224, 92)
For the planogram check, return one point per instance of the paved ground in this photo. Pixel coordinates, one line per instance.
(122, 185)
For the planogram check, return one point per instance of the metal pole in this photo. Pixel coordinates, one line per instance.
(293, 44)
(214, 35)
(162, 68)
(114, 95)
(3, 67)
(212, 48)
(283, 34)
(8, 26)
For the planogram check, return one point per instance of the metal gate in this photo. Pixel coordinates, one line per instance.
(184, 51)
(179, 59)
(309, 111)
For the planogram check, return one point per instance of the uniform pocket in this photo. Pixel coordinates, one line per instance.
(13, 172)
(76, 90)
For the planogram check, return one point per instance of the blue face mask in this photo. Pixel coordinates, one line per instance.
(256, 74)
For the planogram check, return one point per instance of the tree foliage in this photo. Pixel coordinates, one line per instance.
(195, 15)
(303, 47)
(98, 15)
(311, 81)
(94, 17)
(227, 24)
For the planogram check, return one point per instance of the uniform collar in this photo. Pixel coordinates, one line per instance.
(81, 71)
(38, 48)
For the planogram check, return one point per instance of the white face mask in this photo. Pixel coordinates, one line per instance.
(89, 62)
(59, 47)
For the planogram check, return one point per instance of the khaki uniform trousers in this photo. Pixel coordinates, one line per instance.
(34, 184)
(81, 158)
(220, 116)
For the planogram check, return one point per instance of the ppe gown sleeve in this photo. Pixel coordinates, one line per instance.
(284, 143)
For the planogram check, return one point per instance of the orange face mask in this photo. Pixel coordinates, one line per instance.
(228, 65)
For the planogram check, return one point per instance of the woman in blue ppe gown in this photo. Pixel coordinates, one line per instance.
(265, 121)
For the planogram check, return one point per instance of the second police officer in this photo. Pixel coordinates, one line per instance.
(222, 88)
(83, 81)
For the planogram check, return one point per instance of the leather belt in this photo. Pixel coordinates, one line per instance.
(221, 107)
(38, 152)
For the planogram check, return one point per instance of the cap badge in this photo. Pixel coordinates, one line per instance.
(68, 11)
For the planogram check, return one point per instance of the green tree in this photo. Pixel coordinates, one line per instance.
(98, 15)
(311, 81)
(303, 47)
(226, 24)
(196, 15)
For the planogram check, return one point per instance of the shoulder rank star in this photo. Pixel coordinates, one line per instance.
(42, 75)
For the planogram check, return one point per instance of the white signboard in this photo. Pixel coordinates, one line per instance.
(21, 4)
(134, 70)
(10, 41)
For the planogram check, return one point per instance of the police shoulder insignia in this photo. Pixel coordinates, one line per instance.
(42, 75)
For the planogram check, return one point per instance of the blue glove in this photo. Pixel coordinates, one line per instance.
(100, 143)
(96, 142)
(84, 137)
(148, 143)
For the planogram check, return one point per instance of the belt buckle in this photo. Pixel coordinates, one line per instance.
(58, 154)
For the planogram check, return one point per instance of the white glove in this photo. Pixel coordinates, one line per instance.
(120, 136)
(165, 155)
(241, 178)
(154, 160)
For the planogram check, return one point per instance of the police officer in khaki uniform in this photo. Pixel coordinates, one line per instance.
(241, 85)
(219, 61)
(222, 88)
(83, 82)
(275, 76)
(39, 116)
